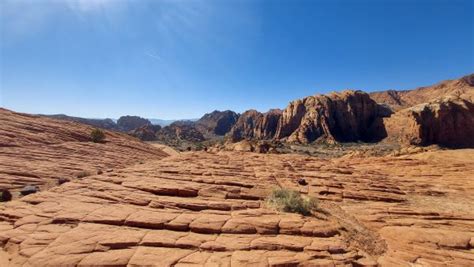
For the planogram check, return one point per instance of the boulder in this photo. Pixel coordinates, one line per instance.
(5, 195)
(29, 189)
(63, 180)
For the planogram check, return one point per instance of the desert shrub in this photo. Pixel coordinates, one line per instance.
(83, 174)
(63, 180)
(288, 200)
(97, 135)
(5, 195)
(199, 146)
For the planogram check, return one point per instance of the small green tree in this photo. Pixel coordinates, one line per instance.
(97, 135)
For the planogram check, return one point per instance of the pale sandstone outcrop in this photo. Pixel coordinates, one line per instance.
(206, 208)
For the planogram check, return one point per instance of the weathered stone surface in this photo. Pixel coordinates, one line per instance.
(345, 117)
(39, 151)
(255, 125)
(108, 124)
(146, 132)
(180, 130)
(217, 122)
(446, 121)
(398, 100)
(208, 209)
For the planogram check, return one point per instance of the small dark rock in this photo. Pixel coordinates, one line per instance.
(29, 189)
(5, 195)
(63, 180)
(100, 172)
(302, 181)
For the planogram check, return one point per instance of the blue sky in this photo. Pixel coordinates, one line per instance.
(180, 59)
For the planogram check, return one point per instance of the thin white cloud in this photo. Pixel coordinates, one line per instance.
(20, 18)
(153, 55)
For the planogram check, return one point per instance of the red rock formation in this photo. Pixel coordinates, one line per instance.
(217, 122)
(398, 100)
(146, 132)
(446, 121)
(180, 130)
(255, 125)
(129, 123)
(346, 116)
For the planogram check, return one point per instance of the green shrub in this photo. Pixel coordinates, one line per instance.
(97, 135)
(288, 200)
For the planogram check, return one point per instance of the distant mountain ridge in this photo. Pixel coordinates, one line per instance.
(108, 123)
(398, 100)
(347, 116)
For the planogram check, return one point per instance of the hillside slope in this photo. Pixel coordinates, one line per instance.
(398, 100)
(36, 150)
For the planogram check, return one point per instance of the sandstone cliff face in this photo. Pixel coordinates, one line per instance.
(447, 121)
(345, 117)
(255, 125)
(180, 130)
(399, 100)
(129, 123)
(146, 132)
(217, 122)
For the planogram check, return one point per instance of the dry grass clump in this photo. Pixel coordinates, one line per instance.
(97, 135)
(288, 200)
(83, 174)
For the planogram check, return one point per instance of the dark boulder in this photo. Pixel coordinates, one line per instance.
(5, 195)
(29, 189)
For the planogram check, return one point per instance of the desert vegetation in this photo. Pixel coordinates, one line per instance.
(97, 135)
(83, 174)
(287, 200)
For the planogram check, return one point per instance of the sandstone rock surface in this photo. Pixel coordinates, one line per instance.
(39, 151)
(108, 124)
(179, 131)
(199, 208)
(346, 117)
(447, 121)
(256, 125)
(399, 100)
(146, 132)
